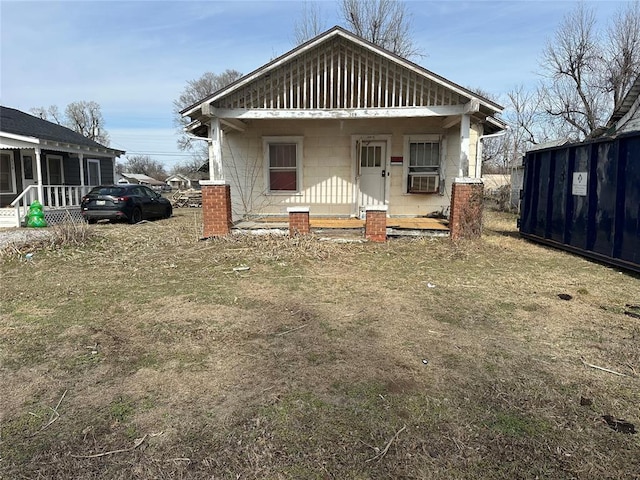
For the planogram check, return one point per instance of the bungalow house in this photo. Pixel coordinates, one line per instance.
(179, 181)
(339, 125)
(48, 162)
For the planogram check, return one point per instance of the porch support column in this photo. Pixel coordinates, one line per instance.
(39, 176)
(465, 219)
(298, 221)
(375, 228)
(81, 160)
(465, 128)
(216, 208)
(216, 172)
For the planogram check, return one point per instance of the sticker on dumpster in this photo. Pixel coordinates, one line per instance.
(579, 186)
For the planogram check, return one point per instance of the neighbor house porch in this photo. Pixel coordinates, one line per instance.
(43, 161)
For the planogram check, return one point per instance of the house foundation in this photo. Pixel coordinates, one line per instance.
(298, 221)
(375, 229)
(465, 220)
(216, 208)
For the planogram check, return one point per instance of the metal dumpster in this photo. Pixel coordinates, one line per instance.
(585, 198)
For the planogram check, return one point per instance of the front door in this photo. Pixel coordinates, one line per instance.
(93, 172)
(372, 158)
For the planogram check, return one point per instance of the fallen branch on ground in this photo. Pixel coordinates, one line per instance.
(54, 414)
(386, 449)
(138, 442)
(603, 369)
(289, 331)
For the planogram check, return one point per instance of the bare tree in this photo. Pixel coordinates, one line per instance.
(310, 24)
(587, 74)
(86, 118)
(621, 64)
(571, 64)
(51, 114)
(194, 91)
(190, 167)
(145, 165)
(386, 23)
(526, 127)
(82, 117)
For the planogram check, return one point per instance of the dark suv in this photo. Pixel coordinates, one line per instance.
(133, 203)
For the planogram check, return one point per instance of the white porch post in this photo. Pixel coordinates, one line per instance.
(216, 172)
(465, 128)
(81, 160)
(39, 176)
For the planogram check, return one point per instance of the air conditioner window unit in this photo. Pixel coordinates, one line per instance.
(423, 183)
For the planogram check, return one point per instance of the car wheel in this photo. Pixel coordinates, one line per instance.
(168, 211)
(92, 221)
(136, 216)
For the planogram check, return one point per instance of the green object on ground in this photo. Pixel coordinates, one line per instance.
(35, 217)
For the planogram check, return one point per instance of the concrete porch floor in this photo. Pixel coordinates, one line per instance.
(411, 226)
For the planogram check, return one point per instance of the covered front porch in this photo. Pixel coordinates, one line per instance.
(346, 226)
(57, 174)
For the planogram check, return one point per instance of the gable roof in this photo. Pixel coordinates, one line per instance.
(19, 123)
(141, 178)
(288, 81)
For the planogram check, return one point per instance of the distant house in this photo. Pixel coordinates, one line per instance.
(339, 124)
(493, 182)
(138, 178)
(179, 181)
(48, 162)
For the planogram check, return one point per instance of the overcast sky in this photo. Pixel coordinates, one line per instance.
(134, 58)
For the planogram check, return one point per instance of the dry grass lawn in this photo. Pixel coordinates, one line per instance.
(142, 354)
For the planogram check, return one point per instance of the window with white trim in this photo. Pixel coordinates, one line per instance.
(283, 164)
(423, 165)
(55, 170)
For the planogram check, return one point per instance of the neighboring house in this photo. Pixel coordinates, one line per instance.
(339, 124)
(626, 117)
(138, 178)
(494, 182)
(179, 181)
(45, 161)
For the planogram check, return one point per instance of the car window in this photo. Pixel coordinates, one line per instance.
(113, 191)
(148, 192)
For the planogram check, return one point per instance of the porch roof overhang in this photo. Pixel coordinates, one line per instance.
(14, 141)
(235, 118)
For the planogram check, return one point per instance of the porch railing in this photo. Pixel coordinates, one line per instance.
(55, 196)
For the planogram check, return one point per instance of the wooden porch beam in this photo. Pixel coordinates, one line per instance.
(238, 125)
(472, 106)
(399, 112)
(449, 122)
